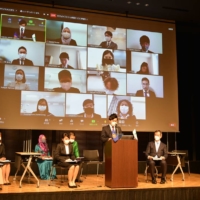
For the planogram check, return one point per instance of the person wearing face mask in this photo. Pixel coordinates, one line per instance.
(20, 81)
(64, 154)
(44, 162)
(110, 131)
(144, 68)
(4, 177)
(64, 59)
(145, 43)
(65, 79)
(156, 153)
(125, 111)
(108, 63)
(108, 43)
(66, 37)
(72, 139)
(42, 108)
(22, 60)
(111, 85)
(88, 107)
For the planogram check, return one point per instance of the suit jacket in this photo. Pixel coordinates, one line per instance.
(146, 52)
(26, 62)
(71, 90)
(68, 66)
(59, 41)
(111, 46)
(140, 93)
(151, 150)
(60, 154)
(106, 132)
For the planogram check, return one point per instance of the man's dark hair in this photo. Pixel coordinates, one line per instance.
(22, 21)
(64, 55)
(158, 131)
(22, 48)
(144, 38)
(145, 79)
(65, 135)
(88, 101)
(108, 33)
(64, 74)
(113, 116)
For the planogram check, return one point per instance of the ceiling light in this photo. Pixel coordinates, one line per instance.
(128, 2)
(146, 4)
(138, 4)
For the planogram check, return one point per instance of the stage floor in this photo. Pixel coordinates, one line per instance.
(94, 183)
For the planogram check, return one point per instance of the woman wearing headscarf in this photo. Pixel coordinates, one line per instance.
(44, 162)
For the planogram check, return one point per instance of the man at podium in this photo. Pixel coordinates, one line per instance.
(156, 154)
(111, 131)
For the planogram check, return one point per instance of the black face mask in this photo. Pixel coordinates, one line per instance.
(89, 111)
(108, 61)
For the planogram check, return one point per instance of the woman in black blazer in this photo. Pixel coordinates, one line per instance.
(6, 166)
(66, 158)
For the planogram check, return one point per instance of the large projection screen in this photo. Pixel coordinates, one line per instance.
(62, 69)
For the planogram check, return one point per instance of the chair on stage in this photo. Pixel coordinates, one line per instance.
(55, 166)
(91, 157)
(184, 159)
(147, 171)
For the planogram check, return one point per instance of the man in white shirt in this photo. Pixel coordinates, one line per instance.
(156, 153)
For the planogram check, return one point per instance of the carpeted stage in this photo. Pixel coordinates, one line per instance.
(93, 188)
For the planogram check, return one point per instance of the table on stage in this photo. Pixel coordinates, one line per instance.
(174, 159)
(27, 167)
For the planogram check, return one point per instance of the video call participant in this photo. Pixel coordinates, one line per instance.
(22, 60)
(146, 92)
(6, 167)
(72, 139)
(125, 111)
(88, 107)
(20, 81)
(64, 154)
(44, 165)
(64, 59)
(43, 108)
(108, 63)
(65, 79)
(157, 149)
(66, 37)
(111, 84)
(20, 33)
(145, 43)
(109, 44)
(144, 68)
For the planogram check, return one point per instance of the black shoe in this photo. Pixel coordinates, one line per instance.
(154, 181)
(162, 181)
(79, 180)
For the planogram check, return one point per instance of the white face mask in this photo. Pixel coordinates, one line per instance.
(113, 123)
(109, 92)
(42, 108)
(22, 55)
(66, 35)
(157, 138)
(124, 109)
(71, 140)
(19, 77)
(66, 86)
(108, 38)
(66, 141)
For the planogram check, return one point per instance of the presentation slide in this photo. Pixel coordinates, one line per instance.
(70, 70)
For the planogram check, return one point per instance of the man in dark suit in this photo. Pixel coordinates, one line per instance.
(65, 79)
(22, 60)
(145, 43)
(88, 107)
(109, 44)
(146, 92)
(64, 59)
(110, 131)
(156, 153)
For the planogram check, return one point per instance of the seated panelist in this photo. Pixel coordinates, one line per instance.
(156, 153)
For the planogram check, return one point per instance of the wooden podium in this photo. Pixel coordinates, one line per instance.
(121, 164)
